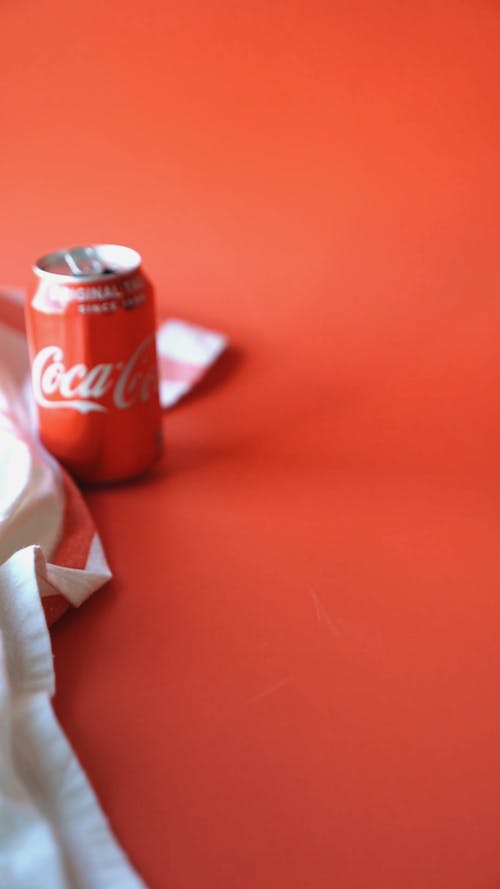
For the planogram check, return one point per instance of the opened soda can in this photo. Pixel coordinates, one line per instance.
(91, 331)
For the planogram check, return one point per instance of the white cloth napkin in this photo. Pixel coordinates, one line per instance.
(53, 835)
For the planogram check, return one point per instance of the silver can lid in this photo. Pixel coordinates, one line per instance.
(91, 263)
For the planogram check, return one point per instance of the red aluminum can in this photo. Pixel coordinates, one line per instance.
(91, 331)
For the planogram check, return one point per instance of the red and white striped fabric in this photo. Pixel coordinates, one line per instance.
(55, 835)
(185, 352)
(39, 503)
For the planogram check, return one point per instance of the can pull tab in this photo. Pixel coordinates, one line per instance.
(85, 261)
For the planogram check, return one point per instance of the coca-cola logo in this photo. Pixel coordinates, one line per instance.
(82, 388)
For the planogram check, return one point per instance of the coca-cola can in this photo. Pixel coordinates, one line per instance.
(91, 332)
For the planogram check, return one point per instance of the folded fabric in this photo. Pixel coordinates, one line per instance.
(53, 834)
(185, 352)
(39, 503)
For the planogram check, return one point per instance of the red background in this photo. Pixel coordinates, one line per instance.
(293, 680)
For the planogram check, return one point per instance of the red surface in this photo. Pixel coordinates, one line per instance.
(293, 680)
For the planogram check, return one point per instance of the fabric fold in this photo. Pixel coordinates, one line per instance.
(54, 835)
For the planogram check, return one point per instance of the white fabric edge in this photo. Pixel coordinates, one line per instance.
(189, 343)
(77, 584)
(58, 837)
(172, 391)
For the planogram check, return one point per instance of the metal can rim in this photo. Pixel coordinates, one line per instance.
(134, 262)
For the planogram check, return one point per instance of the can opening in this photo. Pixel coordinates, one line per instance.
(88, 263)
